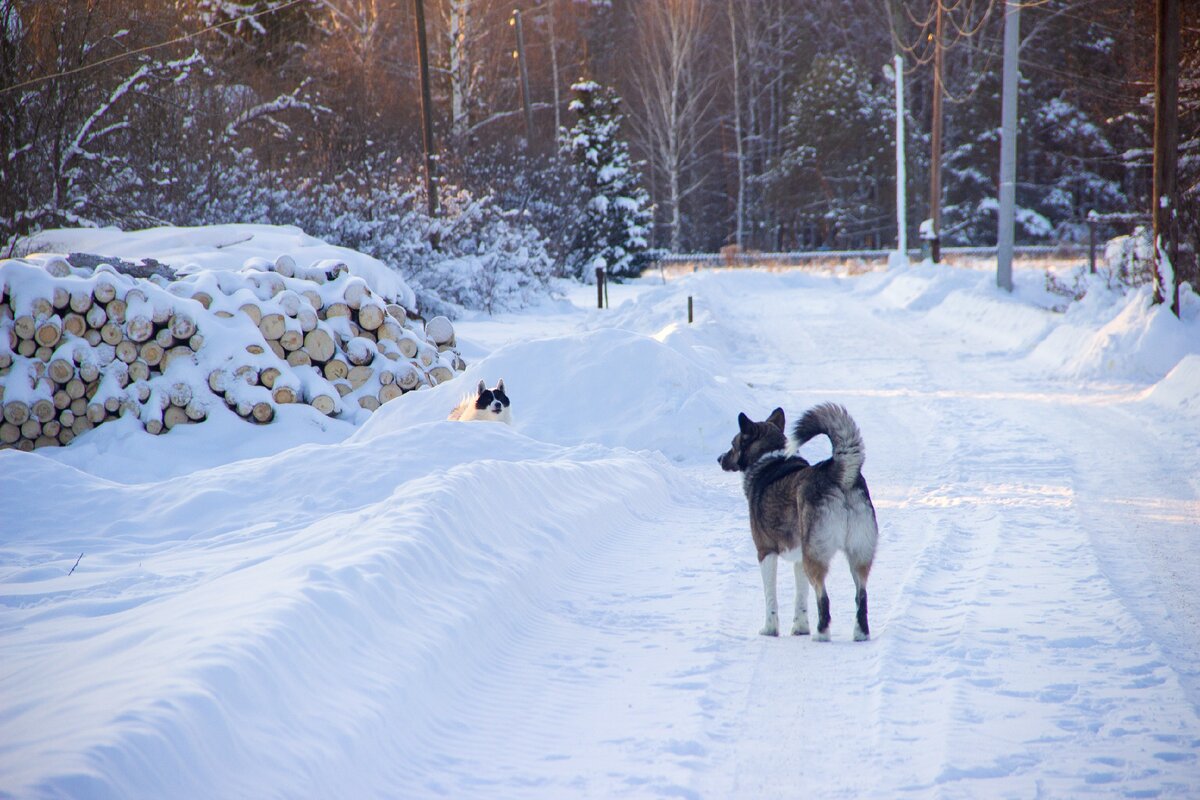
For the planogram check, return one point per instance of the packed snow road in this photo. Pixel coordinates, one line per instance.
(569, 607)
(1028, 646)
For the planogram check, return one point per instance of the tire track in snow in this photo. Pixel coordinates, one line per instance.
(941, 644)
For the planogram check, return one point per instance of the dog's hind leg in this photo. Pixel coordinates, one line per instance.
(816, 576)
(800, 618)
(768, 565)
(862, 631)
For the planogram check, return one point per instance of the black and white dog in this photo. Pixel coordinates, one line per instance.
(805, 513)
(487, 405)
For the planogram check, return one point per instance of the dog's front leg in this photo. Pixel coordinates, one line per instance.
(800, 618)
(768, 564)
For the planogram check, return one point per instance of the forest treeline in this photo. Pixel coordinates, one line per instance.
(765, 122)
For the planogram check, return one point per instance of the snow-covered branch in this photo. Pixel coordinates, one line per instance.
(76, 145)
(284, 102)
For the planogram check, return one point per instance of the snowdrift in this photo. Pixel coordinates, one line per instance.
(265, 603)
(608, 387)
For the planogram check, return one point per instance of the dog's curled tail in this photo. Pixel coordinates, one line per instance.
(835, 422)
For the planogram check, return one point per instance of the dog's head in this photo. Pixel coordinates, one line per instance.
(492, 401)
(753, 441)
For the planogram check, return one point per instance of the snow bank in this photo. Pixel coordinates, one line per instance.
(255, 586)
(1108, 335)
(608, 387)
(1180, 389)
(964, 300)
(1112, 337)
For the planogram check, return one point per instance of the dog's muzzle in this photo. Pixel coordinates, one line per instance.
(728, 462)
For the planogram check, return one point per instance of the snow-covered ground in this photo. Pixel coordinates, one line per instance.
(568, 607)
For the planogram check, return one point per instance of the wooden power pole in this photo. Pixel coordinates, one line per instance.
(524, 71)
(935, 158)
(426, 110)
(1165, 197)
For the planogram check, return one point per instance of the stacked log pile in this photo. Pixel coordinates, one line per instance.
(80, 346)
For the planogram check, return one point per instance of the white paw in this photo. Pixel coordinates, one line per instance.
(859, 636)
(770, 629)
(821, 637)
(800, 629)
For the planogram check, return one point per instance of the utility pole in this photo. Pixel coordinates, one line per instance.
(520, 54)
(1008, 145)
(554, 69)
(901, 199)
(935, 160)
(426, 110)
(1165, 197)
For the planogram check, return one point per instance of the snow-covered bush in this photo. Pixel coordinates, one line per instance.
(1128, 263)
(488, 258)
(475, 255)
(544, 187)
(1129, 260)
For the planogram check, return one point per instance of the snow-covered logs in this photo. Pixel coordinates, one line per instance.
(80, 346)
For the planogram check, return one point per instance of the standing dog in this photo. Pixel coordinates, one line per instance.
(490, 405)
(805, 513)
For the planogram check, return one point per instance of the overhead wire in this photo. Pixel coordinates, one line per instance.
(147, 48)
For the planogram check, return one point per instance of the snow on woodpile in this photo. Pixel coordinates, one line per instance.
(80, 345)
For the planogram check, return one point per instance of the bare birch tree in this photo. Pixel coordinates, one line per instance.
(739, 150)
(462, 72)
(673, 87)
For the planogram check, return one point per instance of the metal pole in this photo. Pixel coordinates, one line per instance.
(426, 110)
(524, 77)
(1008, 145)
(901, 199)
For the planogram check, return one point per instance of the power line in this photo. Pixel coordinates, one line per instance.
(119, 56)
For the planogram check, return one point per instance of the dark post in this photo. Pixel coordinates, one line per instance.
(426, 109)
(1165, 198)
(599, 287)
(524, 78)
(689, 309)
(1091, 220)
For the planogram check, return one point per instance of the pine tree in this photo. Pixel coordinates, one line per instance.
(614, 226)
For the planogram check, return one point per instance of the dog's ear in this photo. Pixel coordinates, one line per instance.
(776, 418)
(745, 424)
(482, 388)
(500, 385)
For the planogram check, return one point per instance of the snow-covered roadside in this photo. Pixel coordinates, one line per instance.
(567, 607)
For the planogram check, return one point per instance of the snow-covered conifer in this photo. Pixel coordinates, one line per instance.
(614, 227)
